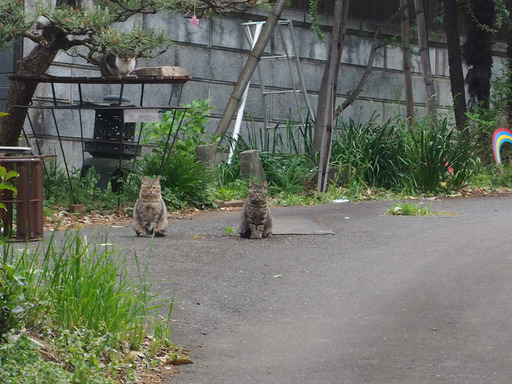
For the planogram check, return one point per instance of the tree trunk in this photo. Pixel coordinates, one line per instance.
(376, 44)
(428, 78)
(406, 52)
(455, 63)
(477, 51)
(250, 67)
(325, 111)
(337, 37)
(21, 93)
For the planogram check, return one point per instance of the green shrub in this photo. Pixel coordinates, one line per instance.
(372, 155)
(22, 364)
(287, 173)
(81, 188)
(185, 179)
(12, 296)
(392, 156)
(439, 154)
(182, 129)
(86, 303)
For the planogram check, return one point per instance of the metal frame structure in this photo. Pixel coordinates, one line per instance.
(175, 82)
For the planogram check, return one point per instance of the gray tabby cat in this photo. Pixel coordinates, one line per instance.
(115, 63)
(150, 213)
(256, 217)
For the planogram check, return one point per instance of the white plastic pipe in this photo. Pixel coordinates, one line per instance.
(240, 113)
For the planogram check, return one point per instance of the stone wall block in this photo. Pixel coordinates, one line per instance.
(250, 166)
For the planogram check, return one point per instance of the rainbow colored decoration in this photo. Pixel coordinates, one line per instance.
(499, 137)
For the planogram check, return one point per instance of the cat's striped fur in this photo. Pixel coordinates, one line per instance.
(150, 213)
(256, 216)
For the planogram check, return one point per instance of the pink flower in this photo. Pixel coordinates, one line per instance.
(194, 20)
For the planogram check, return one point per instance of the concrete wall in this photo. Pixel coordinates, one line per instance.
(214, 53)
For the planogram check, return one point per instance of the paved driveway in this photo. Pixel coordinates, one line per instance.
(383, 300)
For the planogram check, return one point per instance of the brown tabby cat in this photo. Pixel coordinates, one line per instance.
(256, 217)
(114, 63)
(150, 213)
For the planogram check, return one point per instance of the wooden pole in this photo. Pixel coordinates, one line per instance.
(332, 68)
(249, 68)
(425, 60)
(406, 52)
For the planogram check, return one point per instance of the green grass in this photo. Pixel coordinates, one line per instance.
(82, 300)
(407, 209)
(410, 209)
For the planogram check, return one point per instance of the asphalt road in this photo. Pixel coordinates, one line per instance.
(385, 299)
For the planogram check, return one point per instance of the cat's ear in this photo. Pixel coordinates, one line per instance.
(144, 178)
(265, 184)
(157, 178)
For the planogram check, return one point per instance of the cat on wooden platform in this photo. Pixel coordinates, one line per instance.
(150, 212)
(117, 63)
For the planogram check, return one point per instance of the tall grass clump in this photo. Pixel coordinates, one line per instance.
(440, 155)
(91, 289)
(422, 159)
(287, 173)
(372, 155)
(287, 138)
(84, 300)
(81, 187)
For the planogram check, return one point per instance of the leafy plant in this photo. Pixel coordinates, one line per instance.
(23, 364)
(229, 231)
(82, 188)
(484, 121)
(372, 155)
(184, 128)
(5, 182)
(85, 299)
(287, 173)
(12, 296)
(439, 154)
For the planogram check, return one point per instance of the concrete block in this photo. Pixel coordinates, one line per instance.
(228, 33)
(394, 58)
(444, 93)
(499, 67)
(207, 154)
(197, 61)
(442, 67)
(357, 49)
(219, 70)
(180, 29)
(250, 166)
(382, 85)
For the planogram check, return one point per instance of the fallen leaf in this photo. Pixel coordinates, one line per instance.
(180, 360)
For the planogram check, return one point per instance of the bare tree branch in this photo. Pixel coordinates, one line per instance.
(376, 44)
